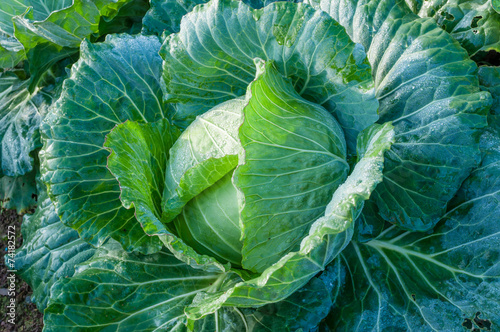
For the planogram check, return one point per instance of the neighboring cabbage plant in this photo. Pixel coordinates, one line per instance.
(256, 166)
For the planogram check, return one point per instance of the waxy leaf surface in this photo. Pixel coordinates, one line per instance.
(114, 81)
(427, 86)
(131, 292)
(474, 24)
(19, 122)
(52, 30)
(445, 280)
(50, 250)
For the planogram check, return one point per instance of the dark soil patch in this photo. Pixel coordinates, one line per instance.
(28, 318)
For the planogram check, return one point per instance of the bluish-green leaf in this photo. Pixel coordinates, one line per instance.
(51, 33)
(41, 10)
(50, 250)
(444, 280)
(113, 81)
(369, 224)
(165, 15)
(474, 24)
(427, 86)
(489, 78)
(11, 50)
(9, 9)
(127, 292)
(21, 113)
(19, 192)
(258, 4)
(301, 311)
(19, 122)
(211, 60)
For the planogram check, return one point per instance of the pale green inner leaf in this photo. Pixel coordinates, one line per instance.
(206, 151)
(209, 223)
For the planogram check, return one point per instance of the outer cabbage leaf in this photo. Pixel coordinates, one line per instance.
(52, 33)
(9, 9)
(257, 4)
(165, 16)
(19, 130)
(474, 24)
(11, 51)
(113, 81)
(139, 153)
(19, 123)
(130, 292)
(301, 311)
(50, 250)
(127, 292)
(19, 192)
(206, 151)
(294, 159)
(369, 224)
(211, 60)
(447, 279)
(427, 87)
(327, 237)
(489, 78)
(41, 10)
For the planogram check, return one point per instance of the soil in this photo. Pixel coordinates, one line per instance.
(28, 318)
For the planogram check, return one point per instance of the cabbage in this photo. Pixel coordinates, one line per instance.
(256, 165)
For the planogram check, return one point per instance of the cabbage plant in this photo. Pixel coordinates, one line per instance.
(332, 165)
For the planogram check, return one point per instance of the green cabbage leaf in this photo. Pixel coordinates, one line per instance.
(426, 85)
(474, 24)
(447, 279)
(113, 81)
(305, 45)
